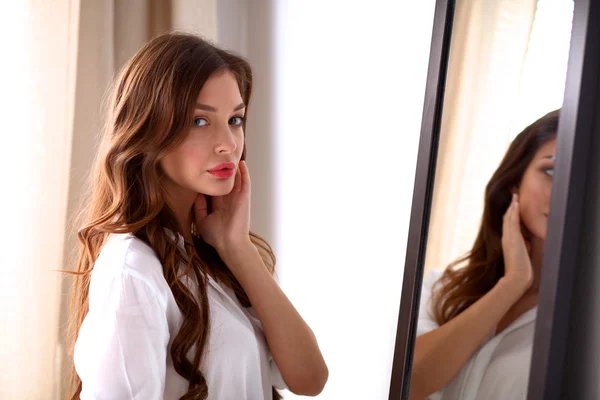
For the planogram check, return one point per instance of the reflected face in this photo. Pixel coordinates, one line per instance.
(535, 188)
(208, 158)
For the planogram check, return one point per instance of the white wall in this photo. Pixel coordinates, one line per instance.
(332, 144)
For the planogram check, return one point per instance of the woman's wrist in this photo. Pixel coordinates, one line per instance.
(512, 284)
(235, 252)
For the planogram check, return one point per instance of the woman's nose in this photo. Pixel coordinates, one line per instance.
(225, 142)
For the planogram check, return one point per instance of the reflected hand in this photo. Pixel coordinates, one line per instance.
(517, 263)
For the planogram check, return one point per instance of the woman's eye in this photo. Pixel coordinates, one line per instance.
(549, 171)
(200, 122)
(236, 120)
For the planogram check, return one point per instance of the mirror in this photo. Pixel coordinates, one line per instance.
(483, 256)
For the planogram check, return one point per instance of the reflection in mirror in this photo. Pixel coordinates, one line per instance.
(483, 259)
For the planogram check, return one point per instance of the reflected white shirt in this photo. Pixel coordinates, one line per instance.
(499, 368)
(122, 350)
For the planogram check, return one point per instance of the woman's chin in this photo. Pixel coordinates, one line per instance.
(540, 233)
(216, 190)
(543, 229)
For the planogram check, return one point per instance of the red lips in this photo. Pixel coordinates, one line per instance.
(223, 171)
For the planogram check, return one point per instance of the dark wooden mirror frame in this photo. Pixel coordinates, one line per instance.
(582, 93)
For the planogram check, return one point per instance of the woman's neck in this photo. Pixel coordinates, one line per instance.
(537, 257)
(182, 203)
(185, 222)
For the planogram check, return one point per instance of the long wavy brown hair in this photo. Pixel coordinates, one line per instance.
(462, 285)
(150, 114)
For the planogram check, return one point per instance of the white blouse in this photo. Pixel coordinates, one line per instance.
(122, 351)
(499, 368)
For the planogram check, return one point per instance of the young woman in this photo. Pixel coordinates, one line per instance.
(476, 320)
(173, 296)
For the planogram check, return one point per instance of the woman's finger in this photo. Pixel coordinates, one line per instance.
(515, 217)
(506, 218)
(218, 202)
(245, 175)
(237, 186)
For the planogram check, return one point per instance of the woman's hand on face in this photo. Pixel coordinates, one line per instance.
(227, 227)
(517, 263)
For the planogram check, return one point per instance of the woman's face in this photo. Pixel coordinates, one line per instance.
(534, 191)
(208, 158)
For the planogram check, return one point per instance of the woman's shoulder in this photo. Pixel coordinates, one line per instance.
(429, 280)
(427, 321)
(125, 254)
(431, 277)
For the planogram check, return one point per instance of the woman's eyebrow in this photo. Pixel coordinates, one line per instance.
(206, 107)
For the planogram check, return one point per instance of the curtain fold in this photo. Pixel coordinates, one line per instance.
(38, 74)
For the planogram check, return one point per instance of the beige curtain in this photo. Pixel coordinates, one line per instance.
(61, 57)
(37, 76)
(488, 51)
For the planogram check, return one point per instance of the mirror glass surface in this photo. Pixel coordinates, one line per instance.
(491, 199)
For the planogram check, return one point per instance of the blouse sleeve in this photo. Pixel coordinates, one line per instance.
(426, 322)
(120, 352)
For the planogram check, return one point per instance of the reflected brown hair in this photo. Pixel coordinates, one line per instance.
(462, 285)
(150, 114)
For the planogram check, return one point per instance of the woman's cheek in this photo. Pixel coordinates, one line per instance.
(529, 211)
(240, 145)
(193, 152)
